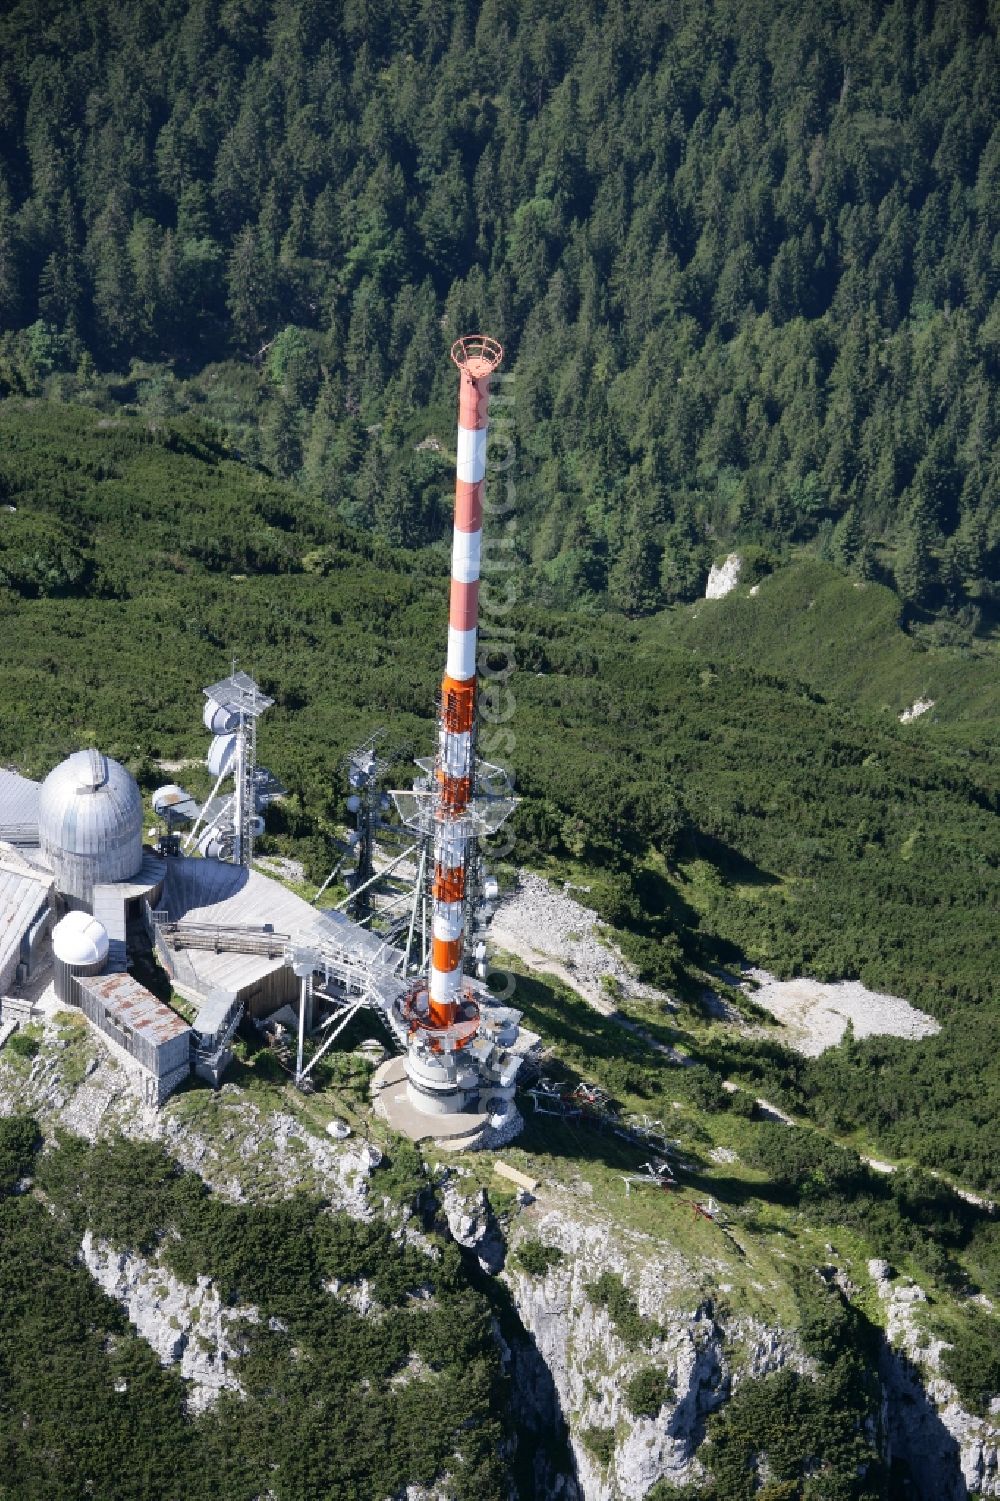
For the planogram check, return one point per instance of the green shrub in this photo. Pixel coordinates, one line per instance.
(308, 1368)
(664, 1491)
(804, 1162)
(401, 1175)
(973, 1361)
(601, 1443)
(704, 1089)
(535, 1257)
(19, 1141)
(23, 1046)
(796, 1428)
(647, 1391)
(611, 1293)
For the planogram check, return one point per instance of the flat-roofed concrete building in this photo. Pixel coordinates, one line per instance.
(24, 917)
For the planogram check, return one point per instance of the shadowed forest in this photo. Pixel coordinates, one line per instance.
(742, 258)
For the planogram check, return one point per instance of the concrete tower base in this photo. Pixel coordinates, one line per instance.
(490, 1125)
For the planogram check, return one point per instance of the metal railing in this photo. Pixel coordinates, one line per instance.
(218, 939)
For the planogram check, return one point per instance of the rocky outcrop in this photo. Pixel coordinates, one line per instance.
(186, 1326)
(568, 1360)
(723, 577)
(551, 931)
(473, 1225)
(815, 1014)
(590, 1363)
(239, 1149)
(951, 1453)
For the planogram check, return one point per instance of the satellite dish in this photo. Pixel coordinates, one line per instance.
(353, 803)
(219, 718)
(215, 844)
(221, 755)
(172, 802)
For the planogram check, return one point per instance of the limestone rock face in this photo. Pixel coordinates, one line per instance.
(723, 577)
(590, 1364)
(951, 1450)
(472, 1224)
(185, 1325)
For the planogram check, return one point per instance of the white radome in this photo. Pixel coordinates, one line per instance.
(79, 940)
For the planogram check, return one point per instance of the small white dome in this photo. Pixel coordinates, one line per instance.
(79, 939)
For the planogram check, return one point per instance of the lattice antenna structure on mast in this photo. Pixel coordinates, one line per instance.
(227, 825)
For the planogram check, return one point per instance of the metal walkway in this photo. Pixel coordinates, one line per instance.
(217, 939)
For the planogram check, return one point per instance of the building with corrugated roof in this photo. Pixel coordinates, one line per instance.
(71, 849)
(157, 1041)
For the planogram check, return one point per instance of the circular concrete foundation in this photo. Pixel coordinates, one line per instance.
(457, 1130)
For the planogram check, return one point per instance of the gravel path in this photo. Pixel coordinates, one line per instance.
(551, 931)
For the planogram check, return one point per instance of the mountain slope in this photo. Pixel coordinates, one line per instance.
(741, 260)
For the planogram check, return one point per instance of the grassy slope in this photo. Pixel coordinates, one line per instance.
(810, 623)
(770, 1229)
(697, 703)
(797, 819)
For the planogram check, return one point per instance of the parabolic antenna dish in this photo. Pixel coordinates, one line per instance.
(221, 755)
(215, 844)
(172, 802)
(219, 718)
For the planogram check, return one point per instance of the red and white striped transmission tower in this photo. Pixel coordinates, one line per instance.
(441, 1012)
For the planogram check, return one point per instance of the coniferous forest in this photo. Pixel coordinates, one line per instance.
(744, 264)
(743, 259)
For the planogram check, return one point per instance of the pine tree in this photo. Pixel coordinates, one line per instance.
(282, 436)
(914, 567)
(848, 539)
(10, 262)
(634, 576)
(250, 287)
(113, 280)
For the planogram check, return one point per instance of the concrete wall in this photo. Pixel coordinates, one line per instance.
(275, 990)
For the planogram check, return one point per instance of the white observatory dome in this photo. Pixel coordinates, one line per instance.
(79, 940)
(90, 823)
